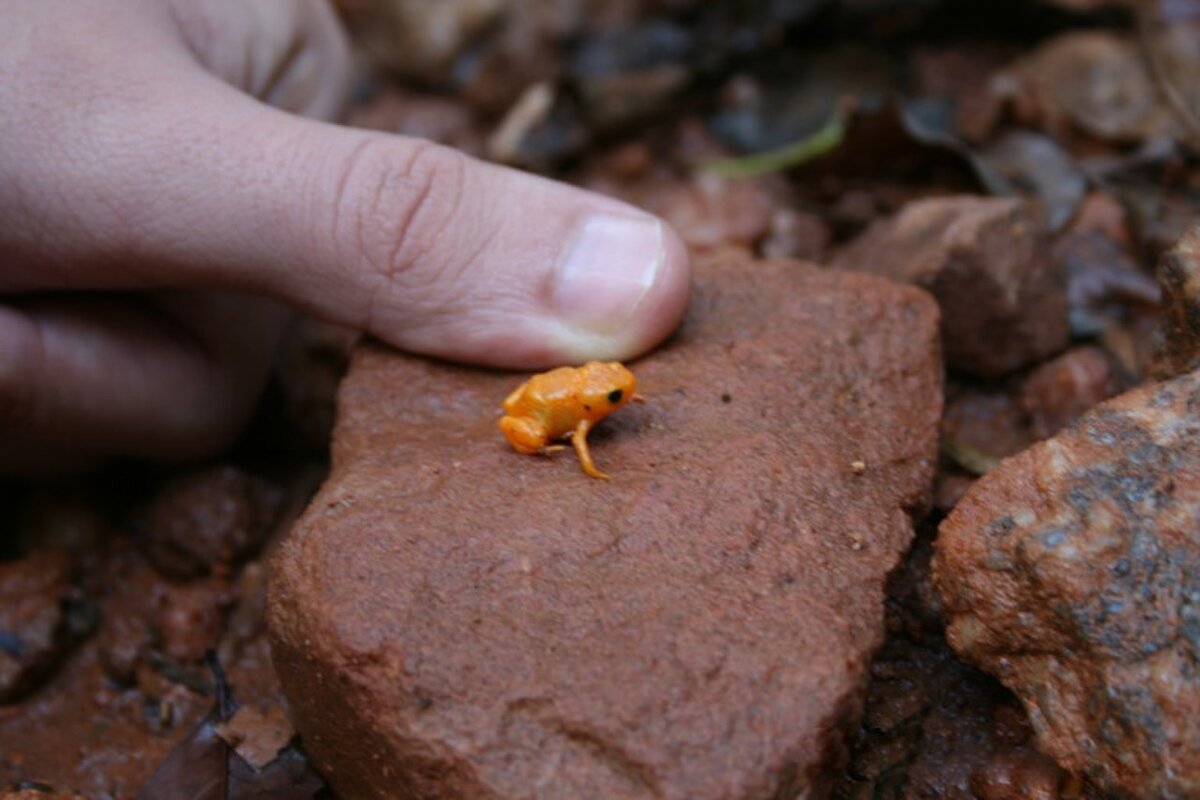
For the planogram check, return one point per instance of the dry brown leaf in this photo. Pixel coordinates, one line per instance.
(257, 735)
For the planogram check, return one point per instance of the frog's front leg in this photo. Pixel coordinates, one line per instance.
(579, 439)
(523, 434)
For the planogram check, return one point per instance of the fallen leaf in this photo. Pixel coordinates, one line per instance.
(1028, 163)
(197, 769)
(793, 98)
(1101, 282)
(257, 736)
(972, 459)
(204, 767)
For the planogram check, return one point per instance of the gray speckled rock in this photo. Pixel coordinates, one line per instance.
(1072, 572)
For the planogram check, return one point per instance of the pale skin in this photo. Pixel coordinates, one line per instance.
(171, 189)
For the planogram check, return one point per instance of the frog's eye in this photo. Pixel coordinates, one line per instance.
(614, 396)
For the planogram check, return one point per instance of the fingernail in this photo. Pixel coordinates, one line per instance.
(606, 270)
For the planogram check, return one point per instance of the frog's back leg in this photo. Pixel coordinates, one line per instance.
(514, 397)
(523, 435)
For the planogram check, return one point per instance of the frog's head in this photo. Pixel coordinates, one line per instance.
(607, 386)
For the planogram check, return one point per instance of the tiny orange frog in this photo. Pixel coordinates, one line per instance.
(566, 403)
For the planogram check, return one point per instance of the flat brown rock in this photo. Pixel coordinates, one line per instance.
(453, 620)
(1003, 301)
(1072, 572)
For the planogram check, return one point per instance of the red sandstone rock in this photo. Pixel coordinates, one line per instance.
(981, 426)
(1020, 774)
(103, 731)
(1101, 213)
(709, 211)
(1003, 301)
(453, 620)
(189, 619)
(1057, 392)
(1072, 572)
(34, 631)
(796, 234)
(126, 638)
(219, 515)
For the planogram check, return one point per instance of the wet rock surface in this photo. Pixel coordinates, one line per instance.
(1072, 572)
(451, 619)
(1003, 302)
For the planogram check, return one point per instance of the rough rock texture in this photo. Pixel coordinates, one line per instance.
(114, 710)
(220, 515)
(1003, 301)
(1055, 393)
(935, 727)
(1072, 572)
(453, 620)
(188, 620)
(981, 426)
(35, 631)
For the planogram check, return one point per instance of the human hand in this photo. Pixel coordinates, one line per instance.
(167, 187)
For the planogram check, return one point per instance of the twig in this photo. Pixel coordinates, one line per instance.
(224, 705)
(530, 110)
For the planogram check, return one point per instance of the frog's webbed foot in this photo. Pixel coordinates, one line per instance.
(551, 448)
(579, 439)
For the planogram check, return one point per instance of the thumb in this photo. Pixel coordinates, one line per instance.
(422, 246)
(441, 254)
